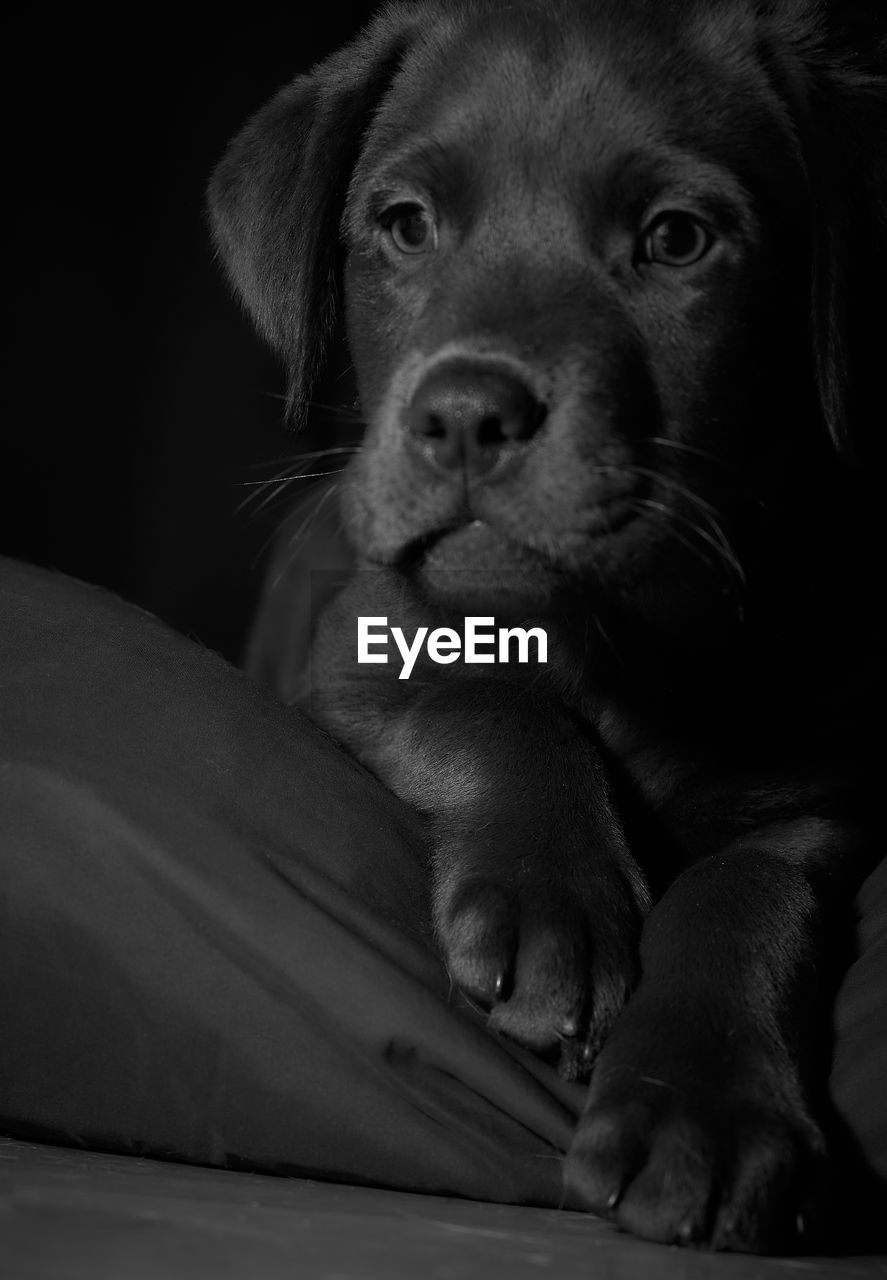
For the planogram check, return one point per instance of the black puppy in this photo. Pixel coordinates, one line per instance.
(611, 274)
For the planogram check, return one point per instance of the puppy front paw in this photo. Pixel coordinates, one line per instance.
(554, 962)
(723, 1164)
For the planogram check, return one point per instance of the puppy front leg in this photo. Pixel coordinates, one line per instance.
(537, 901)
(699, 1125)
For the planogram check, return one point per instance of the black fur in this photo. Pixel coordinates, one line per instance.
(674, 468)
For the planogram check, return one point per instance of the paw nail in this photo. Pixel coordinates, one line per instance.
(800, 1224)
(569, 1027)
(498, 984)
(613, 1199)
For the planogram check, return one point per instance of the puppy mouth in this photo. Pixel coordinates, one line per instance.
(471, 565)
(473, 561)
(465, 546)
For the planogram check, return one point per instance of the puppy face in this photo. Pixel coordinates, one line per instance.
(575, 302)
(590, 312)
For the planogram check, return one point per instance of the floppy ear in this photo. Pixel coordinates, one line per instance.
(844, 140)
(276, 198)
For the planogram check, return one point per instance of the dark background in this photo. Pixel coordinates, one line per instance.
(140, 405)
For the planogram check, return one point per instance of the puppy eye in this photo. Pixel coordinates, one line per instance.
(675, 240)
(412, 229)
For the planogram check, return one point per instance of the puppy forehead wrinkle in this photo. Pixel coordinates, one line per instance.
(683, 173)
(519, 67)
(553, 108)
(422, 162)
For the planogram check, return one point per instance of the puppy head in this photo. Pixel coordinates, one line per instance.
(599, 264)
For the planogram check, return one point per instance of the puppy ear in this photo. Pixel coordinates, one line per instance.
(845, 145)
(276, 198)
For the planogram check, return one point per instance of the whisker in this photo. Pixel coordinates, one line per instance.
(308, 455)
(275, 487)
(278, 529)
(280, 487)
(726, 554)
(348, 413)
(716, 539)
(301, 533)
(283, 479)
(652, 474)
(311, 517)
(664, 442)
(668, 518)
(659, 509)
(710, 512)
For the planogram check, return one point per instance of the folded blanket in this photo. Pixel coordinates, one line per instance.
(214, 935)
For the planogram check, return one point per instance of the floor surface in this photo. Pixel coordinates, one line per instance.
(78, 1215)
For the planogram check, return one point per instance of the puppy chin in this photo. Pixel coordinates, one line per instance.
(473, 568)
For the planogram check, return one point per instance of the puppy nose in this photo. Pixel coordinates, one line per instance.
(466, 415)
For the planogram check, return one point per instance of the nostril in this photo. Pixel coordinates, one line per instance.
(492, 430)
(435, 427)
(524, 421)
